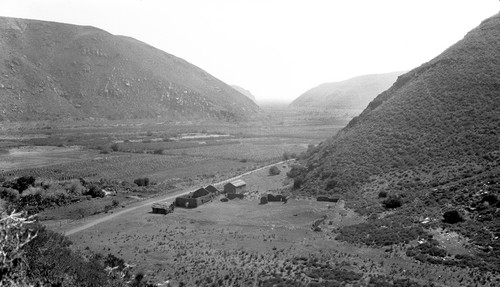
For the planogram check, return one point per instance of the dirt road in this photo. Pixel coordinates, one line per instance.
(148, 203)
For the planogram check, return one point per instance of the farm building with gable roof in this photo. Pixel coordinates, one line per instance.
(236, 186)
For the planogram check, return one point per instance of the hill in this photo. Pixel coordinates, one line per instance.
(244, 92)
(354, 93)
(57, 71)
(426, 146)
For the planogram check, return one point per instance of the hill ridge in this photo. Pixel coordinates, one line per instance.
(53, 71)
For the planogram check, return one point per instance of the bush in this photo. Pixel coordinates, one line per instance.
(297, 182)
(21, 183)
(392, 202)
(96, 191)
(274, 170)
(295, 171)
(142, 181)
(158, 151)
(115, 147)
(332, 183)
(76, 188)
(9, 194)
(452, 217)
(382, 194)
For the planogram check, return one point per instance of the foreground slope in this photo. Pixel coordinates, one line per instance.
(52, 70)
(430, 144)
(354, 93)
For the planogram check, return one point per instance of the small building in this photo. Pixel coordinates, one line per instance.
(199, 193)
(163, 208)
(236, 186)
(212, 189)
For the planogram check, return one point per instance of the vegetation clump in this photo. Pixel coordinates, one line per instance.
(143, 181)
(274, 170)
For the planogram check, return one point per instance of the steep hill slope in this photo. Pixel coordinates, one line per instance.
(52, 70)
(354, 93)
(244, 92)
(429, 144)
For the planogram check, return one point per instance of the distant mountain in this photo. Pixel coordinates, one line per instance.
(244, 92)
(56, 71)
(428, 147)
(354, 93)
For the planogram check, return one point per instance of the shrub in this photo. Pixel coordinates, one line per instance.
(332, 183)
(274, 170)
(76, 188)
(95, 191)
(392, 202)
(297, 182)
(142, 181)
(21, 183)
(158, 151)
(9, 194)
(382, 194)
(452, 217)
(295, 171)
(115, 147)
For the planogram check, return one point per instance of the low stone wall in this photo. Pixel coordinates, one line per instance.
(276, 198)
(329, 199)
(186, 202)
(235, 195)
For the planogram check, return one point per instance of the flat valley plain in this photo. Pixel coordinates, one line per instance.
(236, 243)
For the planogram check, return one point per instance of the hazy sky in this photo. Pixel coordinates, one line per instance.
(278, 49)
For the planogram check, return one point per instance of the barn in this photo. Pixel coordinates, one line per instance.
(236, 186)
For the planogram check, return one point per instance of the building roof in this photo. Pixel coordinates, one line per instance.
(238, 183)
(161, 205)
(211, 189)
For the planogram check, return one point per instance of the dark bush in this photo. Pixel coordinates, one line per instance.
(158, 151)
(392, 202)
(452, 217)
(274, 170)
(95, 191)
(297, 182)
(115, 147)
(21, 183)
(142, 181)
(382, 194)
(295, 171)
(9, 194)
(332, 183)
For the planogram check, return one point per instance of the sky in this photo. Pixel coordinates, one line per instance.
(278, 49)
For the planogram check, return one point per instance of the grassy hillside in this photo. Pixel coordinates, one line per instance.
(353, 93)
(244, 92)
(428, 145)
(52, 70)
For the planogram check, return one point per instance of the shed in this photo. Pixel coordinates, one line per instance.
(163, 208)
(212, 189)
(235, 186)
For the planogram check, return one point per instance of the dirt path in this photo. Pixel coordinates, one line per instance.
(148, 202)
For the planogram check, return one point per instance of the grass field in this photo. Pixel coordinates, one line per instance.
(241, 242)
